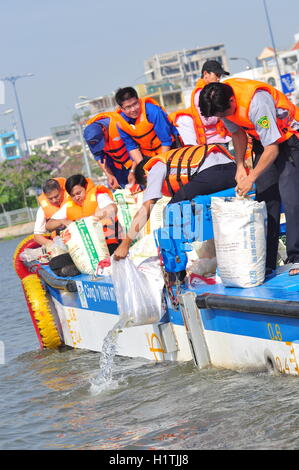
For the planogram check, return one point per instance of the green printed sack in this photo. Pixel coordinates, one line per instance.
(86, 242)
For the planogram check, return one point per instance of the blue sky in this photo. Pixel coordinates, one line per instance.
(92, 47)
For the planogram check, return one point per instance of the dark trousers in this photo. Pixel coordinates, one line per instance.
(213, 179)
(280, 184)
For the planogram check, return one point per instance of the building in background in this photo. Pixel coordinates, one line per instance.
(67, 135)
(172, 75)
(182, 68)
(46, 144)
(9, 146)
(284, 76)
(170, 78)
(98, 105)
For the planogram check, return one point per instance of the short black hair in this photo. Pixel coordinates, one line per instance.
(140, 175)
(124, 94)
(50, 185)
(75, 180)
(214, 98)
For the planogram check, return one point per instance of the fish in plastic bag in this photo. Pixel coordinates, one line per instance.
(136, 298)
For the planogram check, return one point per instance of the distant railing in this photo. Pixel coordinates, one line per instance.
(18, 216)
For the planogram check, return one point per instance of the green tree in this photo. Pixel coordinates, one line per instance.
(17, 176)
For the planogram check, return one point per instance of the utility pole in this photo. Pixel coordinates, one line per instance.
(13, 80)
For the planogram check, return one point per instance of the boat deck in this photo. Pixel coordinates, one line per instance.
(278, 286)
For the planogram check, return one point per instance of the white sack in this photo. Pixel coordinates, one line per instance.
(240, 227)
(86, 242)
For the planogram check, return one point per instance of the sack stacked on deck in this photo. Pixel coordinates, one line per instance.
(240, 227)
(156, 218)
(86, 243)
(127, 205)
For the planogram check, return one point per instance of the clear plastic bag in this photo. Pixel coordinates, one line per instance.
(137, 302)
(56, 248)
(35, 254)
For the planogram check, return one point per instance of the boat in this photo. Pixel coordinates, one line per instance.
(247, 329)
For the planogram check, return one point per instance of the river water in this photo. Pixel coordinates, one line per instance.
(46, 400)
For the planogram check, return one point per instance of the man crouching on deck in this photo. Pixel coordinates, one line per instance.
(181, 174)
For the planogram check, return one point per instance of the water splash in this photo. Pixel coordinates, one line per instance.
(104, 379)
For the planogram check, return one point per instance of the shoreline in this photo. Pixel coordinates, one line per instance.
(15, 231)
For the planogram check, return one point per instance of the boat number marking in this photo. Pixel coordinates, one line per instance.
(151, 340)
(274, 332)
(289, 364)
(71, 321)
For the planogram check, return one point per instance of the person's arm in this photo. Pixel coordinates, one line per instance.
(262, 114)
(53, 224)
(112, 180)
(42, 240)
(139, 221)
(136, 157)
(185, 127)
(58, 220)
(151, 195)
(268, 156)
(40, 228)
(109, 211)
(240, 142)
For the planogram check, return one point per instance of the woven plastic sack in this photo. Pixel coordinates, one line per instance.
(240, 228)
(136, 300)
(86, 242)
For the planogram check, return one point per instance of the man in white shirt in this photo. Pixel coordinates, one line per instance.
(216, 172)
(52, 198)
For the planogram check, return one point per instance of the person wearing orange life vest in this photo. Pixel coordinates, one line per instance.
(109, 151)
(52, 198)
(182, 174)
(144, 127)
(253, 108)
(192, 126)
(86, 199)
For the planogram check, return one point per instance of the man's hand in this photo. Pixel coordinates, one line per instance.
(131, 178)
(122, 250)
(245, 185)
(241, 173)
(112, 182)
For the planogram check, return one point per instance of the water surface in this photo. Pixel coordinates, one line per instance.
(46, 401)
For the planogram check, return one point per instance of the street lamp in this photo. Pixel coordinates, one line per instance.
(13, 80)
(249, 65)
(147, 72)
(83, 144)
(6, 113)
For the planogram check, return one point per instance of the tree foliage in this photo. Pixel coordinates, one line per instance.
(17, 176)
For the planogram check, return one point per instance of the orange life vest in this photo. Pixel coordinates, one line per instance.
(184, 158)
(143, 131)
(114, 145)
(49, 208)
(75, 211)
(199, 127)
(244, 91)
